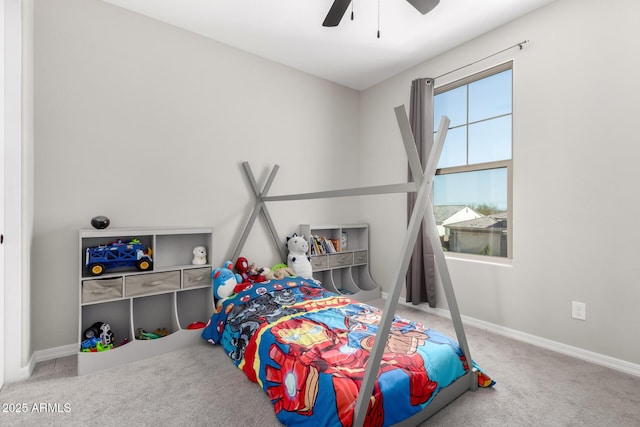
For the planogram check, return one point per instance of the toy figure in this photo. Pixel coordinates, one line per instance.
(278, 271)
(199, 255)
(298, 260)
(93, 345)
(242, 268)
(118, 254)
(224, 281)
(256, 274)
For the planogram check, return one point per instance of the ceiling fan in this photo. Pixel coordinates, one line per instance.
(339, 7)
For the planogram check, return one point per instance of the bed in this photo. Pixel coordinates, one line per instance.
(308, 349)
(376, 391)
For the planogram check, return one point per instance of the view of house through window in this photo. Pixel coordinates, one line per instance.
(472, 189)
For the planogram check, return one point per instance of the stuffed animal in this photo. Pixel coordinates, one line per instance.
(255, 273)
(242, 268)
(280, 271)
(224, 281)
(248, 272)
(199, 255)
(267, 274)
(298, 260)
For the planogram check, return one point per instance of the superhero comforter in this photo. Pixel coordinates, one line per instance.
(308, 349)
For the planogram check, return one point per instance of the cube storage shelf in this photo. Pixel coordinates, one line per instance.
(172, 295)
(347, 270)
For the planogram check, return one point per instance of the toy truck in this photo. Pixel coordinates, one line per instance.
(118, 254)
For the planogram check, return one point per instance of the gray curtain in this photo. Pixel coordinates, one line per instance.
(420, 279)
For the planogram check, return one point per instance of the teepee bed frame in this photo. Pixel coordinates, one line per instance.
(422, 185)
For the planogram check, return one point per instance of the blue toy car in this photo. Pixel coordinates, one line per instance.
(118, 254)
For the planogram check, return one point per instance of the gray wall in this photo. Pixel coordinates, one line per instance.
(575, 154)
(148, 124)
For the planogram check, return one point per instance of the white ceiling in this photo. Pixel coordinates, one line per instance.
(291, 32)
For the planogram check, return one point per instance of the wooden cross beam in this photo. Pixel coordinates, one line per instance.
(260, 208)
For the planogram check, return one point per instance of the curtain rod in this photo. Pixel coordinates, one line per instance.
(482, 59)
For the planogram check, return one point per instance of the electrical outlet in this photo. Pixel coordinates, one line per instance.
(579, 310)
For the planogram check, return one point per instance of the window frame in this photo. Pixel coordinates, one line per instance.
(508, 164)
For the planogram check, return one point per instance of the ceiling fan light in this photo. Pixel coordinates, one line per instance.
(424, 6)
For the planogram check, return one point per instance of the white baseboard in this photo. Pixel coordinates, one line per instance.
(54, 353)
(21, 374)
(40, 356)
(578, 353)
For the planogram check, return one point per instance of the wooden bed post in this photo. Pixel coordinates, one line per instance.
(423, 209)
(422, 206)
(447, 284)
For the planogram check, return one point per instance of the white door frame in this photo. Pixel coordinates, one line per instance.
(2, 168)
(15, 330)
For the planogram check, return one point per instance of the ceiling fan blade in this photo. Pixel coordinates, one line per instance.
(424, 6)
(338, 8)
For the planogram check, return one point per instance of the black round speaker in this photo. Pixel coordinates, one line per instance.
(100, 222)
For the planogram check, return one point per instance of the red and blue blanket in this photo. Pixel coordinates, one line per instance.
(308, 349)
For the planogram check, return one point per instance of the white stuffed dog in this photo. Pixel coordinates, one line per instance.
(298, 260)
(199, 255)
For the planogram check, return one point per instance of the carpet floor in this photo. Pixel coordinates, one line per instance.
(200, 386)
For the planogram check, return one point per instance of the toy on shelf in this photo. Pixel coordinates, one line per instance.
(118, 254)
(141, 334)
(199, 255)
(94, 345)
(97, 337)
(196, 325)
(298, 260)
(101, 331)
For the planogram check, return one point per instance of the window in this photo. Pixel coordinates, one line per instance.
(472, 188)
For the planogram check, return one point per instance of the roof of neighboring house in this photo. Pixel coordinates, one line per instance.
(500, 215)
(496, 221)
(443, 212)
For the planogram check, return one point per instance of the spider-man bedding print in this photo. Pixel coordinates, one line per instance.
(308, 349)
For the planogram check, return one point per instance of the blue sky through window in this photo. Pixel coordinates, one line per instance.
(483, 136)
(480, 131)
(487, 186)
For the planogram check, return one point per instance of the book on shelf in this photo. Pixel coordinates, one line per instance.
(315, 246)
(321, 245)
(329, 245)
